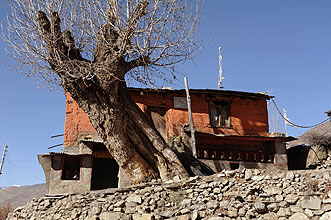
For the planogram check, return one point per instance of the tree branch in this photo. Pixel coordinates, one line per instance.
(130, 28)
(140, 61)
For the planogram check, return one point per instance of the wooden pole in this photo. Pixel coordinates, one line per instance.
(220, 77)
(3, 158)
(285, 121)
(188, 98)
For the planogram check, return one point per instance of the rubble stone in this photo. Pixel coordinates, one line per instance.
(238, 194)
(311, 203)
(299, 216)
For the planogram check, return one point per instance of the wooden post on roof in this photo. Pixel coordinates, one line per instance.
(188, 98)
(220, 77)
(285, 121)
(3, 158)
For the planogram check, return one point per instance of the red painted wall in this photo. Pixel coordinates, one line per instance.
(249, 116)
(77, 124)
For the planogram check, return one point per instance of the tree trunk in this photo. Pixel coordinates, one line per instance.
(126, 131)
(129, 135)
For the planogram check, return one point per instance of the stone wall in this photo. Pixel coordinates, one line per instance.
(239, 194)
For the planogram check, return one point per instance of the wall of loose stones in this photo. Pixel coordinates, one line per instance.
(240, 194)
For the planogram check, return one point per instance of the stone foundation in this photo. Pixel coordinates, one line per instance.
(239, 194)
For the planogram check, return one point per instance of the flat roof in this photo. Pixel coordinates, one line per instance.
(257, 95)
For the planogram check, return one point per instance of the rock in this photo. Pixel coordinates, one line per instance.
(299, 216)
(176, 179)
(95, 210)
(290, 176)
(213, 204)
(296, 209)
(242, 212)
(217, 190)
(292, 199)
(283, 204)
(146, 217)
(195, 215)
(257, 178)
(204, 186)
(319, 212)
(273, 190)
(260, 207)
(47, 203)
(134, 198)
(184, 217)
(74, 214)
(167, 213)
(57, 216)
(118, 209)
(283, 212)
(136, 216)
(273, 207)
(269, 216)
(224, 203)
(186, 202)
(184, 211)
(233, 213)
(327, 208)
(279, 198)
(326, 216)
(311, 203)
(110, 216)
(309, 213)
(120, 203)
(248, 174)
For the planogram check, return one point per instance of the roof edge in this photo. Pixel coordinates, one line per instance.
(260, 95)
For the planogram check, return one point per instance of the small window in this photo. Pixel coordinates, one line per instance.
(71, 168)
(220, 114)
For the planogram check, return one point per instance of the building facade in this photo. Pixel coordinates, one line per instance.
(231, 131)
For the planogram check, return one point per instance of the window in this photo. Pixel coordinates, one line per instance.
(220, 114)
(71, 168)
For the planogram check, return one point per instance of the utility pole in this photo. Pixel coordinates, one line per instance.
(220, 77)
(3, 158)
(188, 98)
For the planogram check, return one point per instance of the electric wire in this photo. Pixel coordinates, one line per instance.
(24, 171)
(2, 140)
(295, 125)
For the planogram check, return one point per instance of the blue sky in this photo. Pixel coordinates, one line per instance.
(279, 47)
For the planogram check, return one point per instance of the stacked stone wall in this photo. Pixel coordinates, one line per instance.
(239, 194)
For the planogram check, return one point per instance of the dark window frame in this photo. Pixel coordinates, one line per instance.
(71, 170)
(220, 107)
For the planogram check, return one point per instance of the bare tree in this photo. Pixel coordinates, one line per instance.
(92, 47)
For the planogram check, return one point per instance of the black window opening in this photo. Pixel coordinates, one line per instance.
(220, 114)
(104, 173)
(71, 168)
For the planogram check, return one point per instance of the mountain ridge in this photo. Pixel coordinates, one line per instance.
(20, 195)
